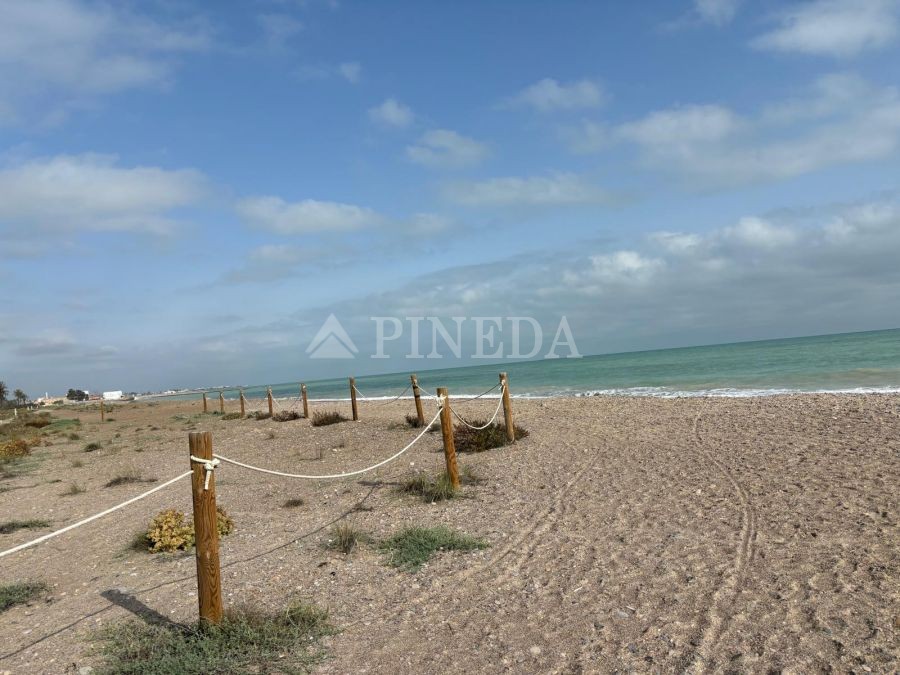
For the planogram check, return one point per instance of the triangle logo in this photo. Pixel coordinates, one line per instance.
(331, 342)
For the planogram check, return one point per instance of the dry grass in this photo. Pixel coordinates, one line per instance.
(324, 418)
(430, 489)
(73, 489)
(286, 416)
(346, 538)
(479, 440)
(128, 477)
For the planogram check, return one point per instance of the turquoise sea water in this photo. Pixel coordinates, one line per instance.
(850, 362)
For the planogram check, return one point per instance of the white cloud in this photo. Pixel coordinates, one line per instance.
(623, 267)
(559, 189)
(676, 243)
(718, 12)
(278, 29)
(840, 119)
(548, 95)
(443, 148)
(839, 28)
(90, 192)
(276, 215)
(66, 49)
(391, 113)
(760, 233)
(350, 71)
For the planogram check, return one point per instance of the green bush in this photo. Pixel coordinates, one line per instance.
(19, 594)
(479, 440)
(324, 418)
(436, 489)
(414, 546)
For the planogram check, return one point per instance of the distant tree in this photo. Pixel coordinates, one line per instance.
(3, 392)
(76, 395)
(21, 397)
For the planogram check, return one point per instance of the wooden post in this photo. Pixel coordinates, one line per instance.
(447, 433)
(507, 410)
(242, 403)
(206, 533)
(420, 414)
(353, 399)
(269, 396)
(205, 409)
(222, 402)
(102, 411)
(305, 401)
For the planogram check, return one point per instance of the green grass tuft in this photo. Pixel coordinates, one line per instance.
(19, 594)
(414, 546)
(11, 526)
(345, 538)
(436, 489)
(248, 640)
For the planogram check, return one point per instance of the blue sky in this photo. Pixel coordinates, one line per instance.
(188, 190)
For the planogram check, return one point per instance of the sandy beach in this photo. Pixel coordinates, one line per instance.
(636, 534)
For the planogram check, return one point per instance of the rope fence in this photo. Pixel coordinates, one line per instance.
(205, 463)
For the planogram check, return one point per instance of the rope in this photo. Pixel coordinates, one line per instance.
(95, 516)
(209, 466)
(466, 400)
(380, 401)
(496, 412)
(335, 475)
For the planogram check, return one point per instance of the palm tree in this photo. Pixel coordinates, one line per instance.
(3, 392)
(21, 397)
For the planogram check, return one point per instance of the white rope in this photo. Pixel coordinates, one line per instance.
(382, 401)
(95, 516)
(490, 422)
(209, 465)
(335, 475)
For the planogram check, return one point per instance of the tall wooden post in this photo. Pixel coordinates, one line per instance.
(222, 402)
(447, 433)
(305, 401)
(507, 410)
(269, 396)
(420, 414)
(353, 399)
(102, 411)
(205, 409)
(206, 533)
(242, 403)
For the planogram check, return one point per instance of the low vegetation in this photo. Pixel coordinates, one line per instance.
(128, 477)
(294, 502)
(412, 421)
(346, 538)
(249, 640)
(90, 447)
(324, 418)
(479, 440)
(414, 546)
(430, 489)
(231, 416)
(11, 526)
(259, 415)
(73, 489)
(170, 530)
(286, 416)
(20, 593)
(14, 449)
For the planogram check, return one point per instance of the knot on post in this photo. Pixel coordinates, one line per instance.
(209, 465)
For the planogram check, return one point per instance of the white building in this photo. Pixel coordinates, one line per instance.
(112, 395)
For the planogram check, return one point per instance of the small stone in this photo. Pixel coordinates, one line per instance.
(535, 650)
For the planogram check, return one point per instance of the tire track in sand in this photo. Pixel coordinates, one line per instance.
(713, 624)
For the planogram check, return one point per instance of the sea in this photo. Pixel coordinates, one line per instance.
(867, 362)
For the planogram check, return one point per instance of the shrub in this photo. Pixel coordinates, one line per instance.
(73, 489)
(231, 416)
(13, 525)
(246, 641)
(74, 437)
(90, 447)
(259, 415)
(414, 546)
(412, 421)
(322, 419)
(479, 440)
(128, 477)
(169, 531)
(286, 416)
(38, 423)
(345, 538)
(19, 594)
(431, 490)
(13, 449)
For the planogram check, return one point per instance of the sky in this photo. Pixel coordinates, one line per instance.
(188, 190)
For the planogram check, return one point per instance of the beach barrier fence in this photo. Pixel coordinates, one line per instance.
(204, 462)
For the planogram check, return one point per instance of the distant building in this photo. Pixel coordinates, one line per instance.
(112, 395)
